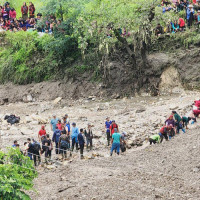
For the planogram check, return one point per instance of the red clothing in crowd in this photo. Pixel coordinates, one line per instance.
(112, 128)
(24, 9)
(164, 129)
(42, 132)
(59, 126)
(12, 14)
(181, 22)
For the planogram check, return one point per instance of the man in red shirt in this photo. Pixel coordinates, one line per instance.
(112, 128)
(42, 132)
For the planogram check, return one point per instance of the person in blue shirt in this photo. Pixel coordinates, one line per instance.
(56, 138)
(116, 140)
(14, 144)
(107, 126)
(53, 123)
(190, 15)
(74, 136)
(81, 142)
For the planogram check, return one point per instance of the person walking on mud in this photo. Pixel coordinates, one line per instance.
(89, 136)
(81, 142)
(116, 140)
(107, 126)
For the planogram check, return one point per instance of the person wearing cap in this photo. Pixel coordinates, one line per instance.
(112, 127)
(154, 139)
(74, 136)
(115, 141)
(89, 136)
(42, 132)
(190, 15)
(53, 123)
(107, 126)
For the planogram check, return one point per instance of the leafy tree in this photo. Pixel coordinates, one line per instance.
(16, 175)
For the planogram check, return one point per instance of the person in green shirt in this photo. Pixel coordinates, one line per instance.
(185, 121)
(116, 140)
(178, 122)
(154, 139)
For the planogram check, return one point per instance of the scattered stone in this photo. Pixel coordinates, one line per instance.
(57, 100)
(140, 110)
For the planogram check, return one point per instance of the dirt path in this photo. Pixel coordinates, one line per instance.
(167, 171)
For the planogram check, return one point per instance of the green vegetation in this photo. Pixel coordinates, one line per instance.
(89, 31)
(16, 175)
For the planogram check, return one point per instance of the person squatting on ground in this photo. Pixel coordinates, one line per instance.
(154, 139)
(116, 141)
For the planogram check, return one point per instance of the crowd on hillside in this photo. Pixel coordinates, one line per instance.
(67, 137)
(27, 22)
(192, 16)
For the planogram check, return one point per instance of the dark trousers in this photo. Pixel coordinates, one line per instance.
(81, 149)
(57, 148)
(108, 137)
(89, 142)
(152, 141)
(63, 150)
(164, 135)
(172, 133)
(73, 143)
(47, 153)
(178, 126)
(36, 156)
